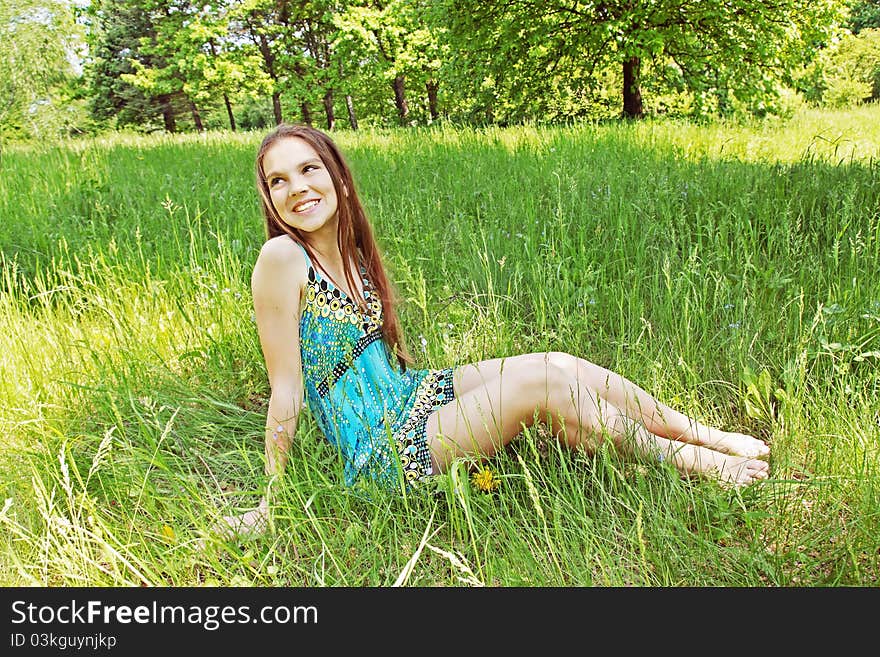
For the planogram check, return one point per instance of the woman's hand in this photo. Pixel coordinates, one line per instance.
(251, 523)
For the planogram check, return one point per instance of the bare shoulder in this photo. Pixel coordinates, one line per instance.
(281, 252)
(281, 266)
(280, 256)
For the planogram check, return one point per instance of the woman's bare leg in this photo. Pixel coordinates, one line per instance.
(486, 417)
(658, 418)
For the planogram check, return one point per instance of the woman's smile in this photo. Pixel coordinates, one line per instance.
(302, 207)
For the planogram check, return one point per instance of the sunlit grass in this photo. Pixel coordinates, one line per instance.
(731, 270)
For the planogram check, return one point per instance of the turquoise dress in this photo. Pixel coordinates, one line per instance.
(365, 404)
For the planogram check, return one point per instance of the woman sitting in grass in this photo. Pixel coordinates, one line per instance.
(328, 329)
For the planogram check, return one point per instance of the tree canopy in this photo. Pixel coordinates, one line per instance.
(181, 64)
(39, 44)
(715, 49)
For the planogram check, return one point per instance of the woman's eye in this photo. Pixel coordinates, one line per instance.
(274, 181)
(309, 167)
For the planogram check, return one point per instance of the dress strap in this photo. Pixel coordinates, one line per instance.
(305, 253)
(317, 273)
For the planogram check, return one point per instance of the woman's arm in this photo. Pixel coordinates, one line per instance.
(277, 282)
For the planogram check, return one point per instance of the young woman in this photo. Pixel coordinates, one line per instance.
(329, 333)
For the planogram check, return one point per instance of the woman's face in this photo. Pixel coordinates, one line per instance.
(300, 186)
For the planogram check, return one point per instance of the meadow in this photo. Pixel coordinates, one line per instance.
(732, 270)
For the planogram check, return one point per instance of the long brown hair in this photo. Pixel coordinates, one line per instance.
(354, 237)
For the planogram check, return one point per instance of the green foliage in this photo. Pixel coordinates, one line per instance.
(845, 92)
(162, 62)
(38, 39)
(254, 114)
(863, 14)
(180, 64)
(390, 52)
(116, 50)
(726, 57)
(853, 69)
(290, 46)
(846, 73)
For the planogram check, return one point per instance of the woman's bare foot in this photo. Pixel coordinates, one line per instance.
(729, 470)
(739, 444)
(729, 442)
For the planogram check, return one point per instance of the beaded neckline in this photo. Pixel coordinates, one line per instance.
(334, 286)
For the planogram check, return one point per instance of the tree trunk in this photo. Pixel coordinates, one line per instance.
(328, 109)
(197, 118)
(229, 112)
(269, 61)
(722, 96)
(400, 98)
(432, 87)
(276, 108)
(352, 119)
(632, 93)
(225, 95)
(306, 112)
(168, 114)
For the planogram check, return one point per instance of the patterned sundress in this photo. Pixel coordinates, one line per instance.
(367, 406)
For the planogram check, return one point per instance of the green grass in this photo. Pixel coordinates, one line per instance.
(733, 271)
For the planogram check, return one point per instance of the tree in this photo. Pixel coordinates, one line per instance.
(318, 76)
(192, 54)
(279, 30)
(396, 43)
(863, 14)
(720, 49)
(165, 49)
(38, 43)
(120, 30)
(852, 69)
(371, 34)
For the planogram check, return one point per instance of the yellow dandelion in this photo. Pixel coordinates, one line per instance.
(168, 532)
(485, 480)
